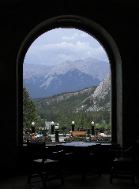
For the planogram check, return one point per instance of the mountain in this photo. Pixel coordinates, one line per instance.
(44, 81)
(71, 105)
(31, 71)
(101, 97)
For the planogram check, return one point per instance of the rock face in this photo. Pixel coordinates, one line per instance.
(101, 98)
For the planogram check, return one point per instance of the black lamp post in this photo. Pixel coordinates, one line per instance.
(57, 133)
(72, 125)
(33, 127)
(92, 128)
(52, 127)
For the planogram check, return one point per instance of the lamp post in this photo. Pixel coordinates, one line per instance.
(57, 132)
(72, 125)
(93, 128)
(33, 127)
(52, 127)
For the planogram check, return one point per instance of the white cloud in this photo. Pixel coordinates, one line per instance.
(68, 38)
(68, 45)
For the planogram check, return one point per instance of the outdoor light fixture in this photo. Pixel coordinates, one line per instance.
(92, 128)
(52, 123)
(33, 126)
(32, 123)
(52, 127)
(73, 125)
(92, 123)
(57, 132)
(73, 122)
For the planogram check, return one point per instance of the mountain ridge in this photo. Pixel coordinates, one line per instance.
(71, 76)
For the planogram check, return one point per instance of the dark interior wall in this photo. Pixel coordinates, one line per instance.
(17, 19)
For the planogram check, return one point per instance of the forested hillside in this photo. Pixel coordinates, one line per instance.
(81, 106)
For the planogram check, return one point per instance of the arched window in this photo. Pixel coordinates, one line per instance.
(82, 25)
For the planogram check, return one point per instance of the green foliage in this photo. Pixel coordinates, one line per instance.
(29, 111)
(63, 109)
(102, 126)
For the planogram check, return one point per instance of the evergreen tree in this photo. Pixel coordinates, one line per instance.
(29, 111)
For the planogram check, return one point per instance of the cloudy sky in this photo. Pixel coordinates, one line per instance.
(61, 45)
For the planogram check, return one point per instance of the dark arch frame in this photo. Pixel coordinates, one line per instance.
(95, 30)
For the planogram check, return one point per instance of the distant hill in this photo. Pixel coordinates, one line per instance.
(43, 81)
(66, 103)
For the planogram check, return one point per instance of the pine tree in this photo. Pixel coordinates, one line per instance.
(29, 111)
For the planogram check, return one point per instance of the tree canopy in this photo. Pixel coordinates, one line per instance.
(29, 111)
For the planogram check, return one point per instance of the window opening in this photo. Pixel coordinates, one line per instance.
(66, 88)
